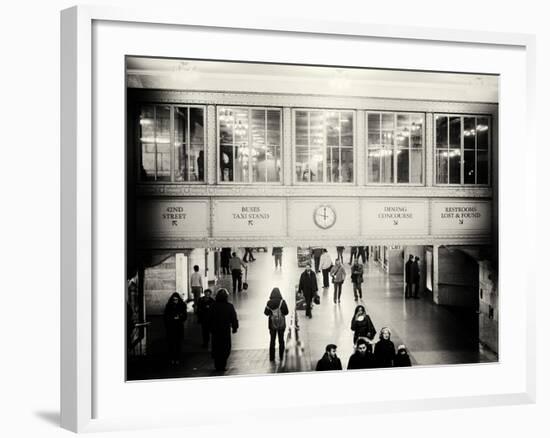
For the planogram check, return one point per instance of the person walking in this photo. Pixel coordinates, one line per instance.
(225, 256)
(203, 310)
(362, 358)
(276, 309)
(361, 253)
(196, 286)
(402, 358)
(235, 264)
(338, 276)
(330, 361)
(326, 265)
(384, 350)
(222, 322)
(248, 256)
(308, 287)
(357, 279)
(409, 276)
(277, 253)
(317, 252)
(340, 253)
(352, 254)
(416, 277)
(175, 315)
(362, 326)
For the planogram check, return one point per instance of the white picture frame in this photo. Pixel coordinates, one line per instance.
(83, 219)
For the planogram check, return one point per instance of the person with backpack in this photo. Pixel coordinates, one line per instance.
(276, 309)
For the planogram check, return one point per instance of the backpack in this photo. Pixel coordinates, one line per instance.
(277, 318)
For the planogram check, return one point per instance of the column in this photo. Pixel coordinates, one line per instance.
(211, 145)
(435, 274)
(182, 278)
(287, 147)
(361, 148)
(430, 150)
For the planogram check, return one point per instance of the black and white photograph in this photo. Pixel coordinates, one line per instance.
(287, 218)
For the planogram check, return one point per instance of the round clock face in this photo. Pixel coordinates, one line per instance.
(324, 216)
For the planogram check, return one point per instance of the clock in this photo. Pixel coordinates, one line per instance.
(324, 216)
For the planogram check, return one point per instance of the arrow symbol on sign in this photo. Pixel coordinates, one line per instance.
(396, 222)
(174, 223)
(250, 222)
(461, 221)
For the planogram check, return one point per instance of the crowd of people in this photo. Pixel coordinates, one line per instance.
(218, 320)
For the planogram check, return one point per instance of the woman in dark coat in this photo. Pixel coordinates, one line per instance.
(175, 314)
(402, 358)
(223, 321)
(276, 310)
(384, 350)
(362, 326)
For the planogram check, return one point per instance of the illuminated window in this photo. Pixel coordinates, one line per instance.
(172, 143)
(249, 145)
(395, 148)
(324, 142)
(462, 149)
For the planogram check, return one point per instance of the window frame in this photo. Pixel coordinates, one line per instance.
(489, 149)
(172, 107)
(324, 147)
(249, 108)
(394, 183)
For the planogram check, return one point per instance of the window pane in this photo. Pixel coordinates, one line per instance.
(402, 166)
(454, 166)
(197, 145)
(162, 140)
(483, 167)
(469, 132)
(416, 167)
(442, 171)
(180, 139)
(273, 164)
(417, 131)
(482, 129)
(403, 121)
(274, 128)
(333, 167)
(455, 133)
(146, 135)
(333, 128)
(386, 169)
(302, 164)
(374, 166)
(317, 129)
(441, 133)
(347, 165)
(346, 125)
(374, 139)
(226, 118)
(316, 165)
(226, 163)
(373, 121)
(387, 121)
(469, 167)
(402, 138)
(242, 152)
(301, 128)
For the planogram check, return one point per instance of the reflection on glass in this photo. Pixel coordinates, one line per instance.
(402, 165)
(346, 128)
(455, 132)
(441, 132)
(346, 172)
(483, 167)
(442, 166)
(147, 134)
(454, 166)
(482, 129)
(162, 142)
(386, 166)
(416, 166)
(374, 166)
(469, 167)
(469, 132)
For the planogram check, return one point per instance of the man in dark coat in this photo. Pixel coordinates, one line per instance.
(416, 277)
(222, 321)
(352, 254)
(409, 276)
(308, 286)
(317, 252)
(362, 358)
(329, 361)
(203, 311)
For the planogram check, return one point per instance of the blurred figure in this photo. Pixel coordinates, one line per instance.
(409, 276)
(222, 322)
(277, 253)
(203, 310)
(340, 253)
(196, 286)
(248, 253)
(235, 264)
(416, 277)
(175, 314)
(362, 326)
(338, 276)
(384, 350)
(361, 253)
(317, 251)
(330, 361)
(326, 265)
(276, 309)
(357, 279)
(308, 287)
(352, 254)
(362, 358)
(402, 358)
(225, 256)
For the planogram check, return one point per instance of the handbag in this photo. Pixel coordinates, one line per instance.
(317, 299)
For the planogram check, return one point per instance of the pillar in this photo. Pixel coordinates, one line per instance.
(435, 274)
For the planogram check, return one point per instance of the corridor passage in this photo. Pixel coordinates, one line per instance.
(434, 335)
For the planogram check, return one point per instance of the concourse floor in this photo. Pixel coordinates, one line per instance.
(434, 335)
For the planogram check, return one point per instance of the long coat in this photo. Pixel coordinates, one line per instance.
(223, 320)
(308, 284)
(362, 329)
(328, 364)
(384, 353)
(359, 361)
(409, 271)
(357, 274)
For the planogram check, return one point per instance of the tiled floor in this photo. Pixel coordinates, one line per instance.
(433, 334)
